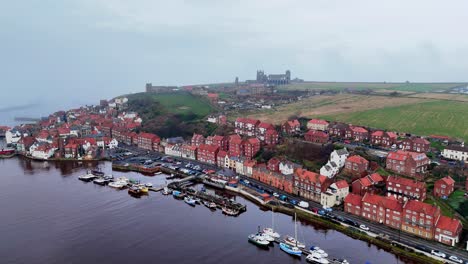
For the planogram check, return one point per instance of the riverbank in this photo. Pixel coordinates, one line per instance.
(409, 253)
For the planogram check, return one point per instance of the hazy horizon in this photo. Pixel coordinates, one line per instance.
(77, 52)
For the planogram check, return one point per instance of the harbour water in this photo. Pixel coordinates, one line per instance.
(49, 216)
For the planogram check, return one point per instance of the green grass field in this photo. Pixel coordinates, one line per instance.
(456, 198)
(438, 117)
(179, 103)
(408, 87)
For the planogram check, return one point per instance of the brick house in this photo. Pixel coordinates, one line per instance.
(273, 164)
(251, 147)
(317, 124)
(382, 210)
(411, 164)
(188, 151)
(316, 136)
(207, 154)
(404, 189)
(274, 179)
(352, 204)
(444, 187)
(147, 141)
(246, 126)
(366, 184)
(197, 140)
(383, 139)
(261, 130)
(448, 230)
(356, 165)
(271, 137)
(291, 127)
(309, 184)
(338, 130)
(357, 133)
(236, 146)
(420, 218)
(220, 141)
(415, 144)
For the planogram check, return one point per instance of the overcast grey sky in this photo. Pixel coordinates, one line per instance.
(76, 51)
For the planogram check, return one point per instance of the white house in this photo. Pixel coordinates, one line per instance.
(42, 151)
(121, 100)
(330, 169)
(335, 194)
(287, 167)
(173, 150)
(456, 152)
(12, 136)
(240, 166)
(339, 157)
(212, 119)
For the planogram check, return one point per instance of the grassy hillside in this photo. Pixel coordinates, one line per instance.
(438, 117)
(412, 87)
(172, 114)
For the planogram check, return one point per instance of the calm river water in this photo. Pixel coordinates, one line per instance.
(49, 216)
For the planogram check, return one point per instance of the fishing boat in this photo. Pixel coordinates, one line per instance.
(189, 200)
(271, 231)
(7, 153)
(97, 172)
(166, 191)
(230, 212)
(99, 181)
(291, 250)
(177, 194)
(254, 239)
(316, 258)
(319, 251)
(134, 190)
(118, 184)
(87, 177)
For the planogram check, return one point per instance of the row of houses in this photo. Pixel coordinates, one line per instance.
(265, 132)
(411, 216)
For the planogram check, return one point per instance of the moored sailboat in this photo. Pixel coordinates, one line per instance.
(288, 247)
(259, 241)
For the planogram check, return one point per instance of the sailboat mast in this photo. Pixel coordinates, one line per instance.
(295, 228)
(272, 221)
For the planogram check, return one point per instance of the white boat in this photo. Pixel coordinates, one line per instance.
(189, 200)
(258, 241)
(316, 258)
(293, 242)
(340, 261)
(166, 191)
(271, 231)
(266, 237)
(148, 184)
(319, 251)
(118, 184)
(87, 177)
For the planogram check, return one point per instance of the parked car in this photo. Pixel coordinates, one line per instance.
(364, 227)
(283, 198)
(276, 195)
(456, 259)
(293, 202)
(438, 253)
(304, 204)
(423, 248)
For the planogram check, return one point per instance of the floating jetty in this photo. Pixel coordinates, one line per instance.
(306, 252)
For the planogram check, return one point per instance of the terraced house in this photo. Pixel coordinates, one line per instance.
(383, 139)
(246, 126)
(415, 144)
(404, 189)
(408, 163)
(309, 184)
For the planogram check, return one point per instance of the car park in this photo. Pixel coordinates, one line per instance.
(438, 253)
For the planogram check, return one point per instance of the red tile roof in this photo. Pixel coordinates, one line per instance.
(420, 207)
(253, 141)
(385, 202)
(448, 180)
(405, 182)
(293, 123)
(375, 177)
(353, 199)
(266, 125)
(398, 155)
(359, 129)
(222, 153)
(341, 184)
(308, 175)
(209, 148)
(318, 122)
(377, 133)
(357, 159)
(448, 224)
(316, 133)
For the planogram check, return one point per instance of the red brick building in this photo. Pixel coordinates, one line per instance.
(420, 219)
(316, 136)
(384, 139)
(197, 140)
(147, 141)
(309, 184)
(448, 230)
(338, 130)
(291, 127)
(383, 210)
(188, 151)
(272, 178)
(403, 188)
(356, 165)
(408, 163)
(220, 141)
(366, 184)
(444, 187)
(236, 146)
(273, 164)
(246, 126)
(262, 129)
(357, 133)
(207, 154)
(271, 137)
(352, 204)
(415, 144)
(251, 147)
